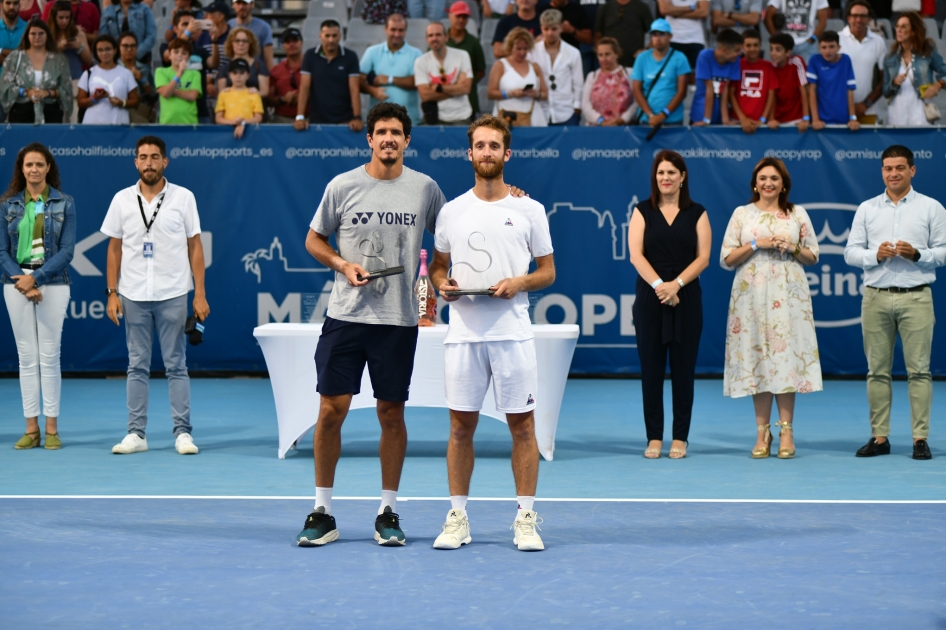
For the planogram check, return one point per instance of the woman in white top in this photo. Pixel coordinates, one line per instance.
(107, 90)
(909, 73)
(607, 99)
(516, 84)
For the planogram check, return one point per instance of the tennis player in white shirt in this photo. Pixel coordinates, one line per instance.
(490, 238)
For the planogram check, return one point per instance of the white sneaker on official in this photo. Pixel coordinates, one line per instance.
(455, 532)
(525, 526)
(185, 444)
(131, 444)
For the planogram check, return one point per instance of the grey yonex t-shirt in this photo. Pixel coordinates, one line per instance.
(378, 224)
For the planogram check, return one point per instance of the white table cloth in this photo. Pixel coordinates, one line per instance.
(289, 350)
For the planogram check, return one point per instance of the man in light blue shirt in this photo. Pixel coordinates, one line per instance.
(12, 28)
(661, 101)
(899, 239)
(390, 65)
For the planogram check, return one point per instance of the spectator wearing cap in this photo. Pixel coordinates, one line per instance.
(187, 27)
(218, 13)
(236, 105)
(561, 63)
(627, 22)
(525, 17)
(686, 18)
(459, 37)
(738, 15)
(430, 9)
(659, 78)
(284, 78)
(329, 83)
(264, 34)
(178, 86)
(130, 16)
(391, 66)
(443, 77)
(576, 29)
(190, 6)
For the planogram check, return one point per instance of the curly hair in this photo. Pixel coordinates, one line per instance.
(253, 52)
(516, 35)
(18, 181)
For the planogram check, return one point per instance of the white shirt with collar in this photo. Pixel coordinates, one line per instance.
(865, 55)
(569, 80)
(167, 274)
(916, 219)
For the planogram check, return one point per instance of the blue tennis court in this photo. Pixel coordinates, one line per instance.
(717, 540)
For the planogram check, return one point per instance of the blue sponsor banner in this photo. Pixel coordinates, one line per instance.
(257, 196)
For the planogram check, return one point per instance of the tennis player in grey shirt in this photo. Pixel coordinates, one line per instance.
(378, 214)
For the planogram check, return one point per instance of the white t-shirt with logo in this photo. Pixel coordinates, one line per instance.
(801, 16)
(489, 242)
(118, 82)
(456, 63)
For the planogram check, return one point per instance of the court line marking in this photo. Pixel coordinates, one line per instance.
(540, 499)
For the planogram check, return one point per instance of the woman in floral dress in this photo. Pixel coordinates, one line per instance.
(771, 347)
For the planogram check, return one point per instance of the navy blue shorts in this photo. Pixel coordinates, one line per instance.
(344, 349)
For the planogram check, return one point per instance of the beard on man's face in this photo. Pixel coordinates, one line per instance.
(488, 170)
(151, 176)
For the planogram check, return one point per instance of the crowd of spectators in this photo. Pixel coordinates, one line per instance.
(752, 63)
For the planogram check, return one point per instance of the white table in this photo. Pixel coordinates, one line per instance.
(289, 350)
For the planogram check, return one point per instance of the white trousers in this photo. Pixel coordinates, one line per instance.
(37, 329)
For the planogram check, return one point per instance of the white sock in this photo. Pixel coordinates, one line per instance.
(323, 499)
(525, 504)
(458, 502)
(388, 499)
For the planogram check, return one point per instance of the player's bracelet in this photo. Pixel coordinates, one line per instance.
(853, 117)
(806, 118)
(707, 121)
(656, 283)
(680, 281)
(503, 94)
(666, 112)
(763, 120)
(753, 245)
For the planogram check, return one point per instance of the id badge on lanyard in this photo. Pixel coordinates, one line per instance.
(147, 246)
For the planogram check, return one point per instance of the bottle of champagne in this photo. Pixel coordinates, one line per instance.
(426, 297)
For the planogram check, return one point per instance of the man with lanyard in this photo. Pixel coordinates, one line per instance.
(12, 28)
(899, 239)
(155, 258)
(659, 78)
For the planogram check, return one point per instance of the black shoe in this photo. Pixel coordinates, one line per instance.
(921, 450)
(319, 529)
(387, 529)
(872, 449)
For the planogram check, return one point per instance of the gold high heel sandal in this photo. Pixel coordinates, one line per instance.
(784, 453)
(762, 453)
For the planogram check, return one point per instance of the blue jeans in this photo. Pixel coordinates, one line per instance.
(142, 319)
(574, 121)
(434, 8)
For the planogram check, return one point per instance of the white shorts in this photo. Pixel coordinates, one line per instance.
(468, 368)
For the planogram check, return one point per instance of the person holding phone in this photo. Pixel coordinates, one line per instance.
(516, 83)
(107, 91)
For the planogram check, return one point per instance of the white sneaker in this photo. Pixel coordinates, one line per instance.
(131, 444)
(185, 444)
(525, 526)
(455, 532)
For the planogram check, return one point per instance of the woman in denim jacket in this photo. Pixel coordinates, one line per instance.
(909, 72)
(140, 22)
(37, 242)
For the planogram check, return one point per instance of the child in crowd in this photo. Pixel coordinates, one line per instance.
(716, 71)
(236, 105)
(753, 100)
(791, 92)
(178, 87)
(831, 85)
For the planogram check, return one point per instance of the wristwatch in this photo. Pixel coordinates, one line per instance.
(108, 292)
(916, 255)
(300, 117)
